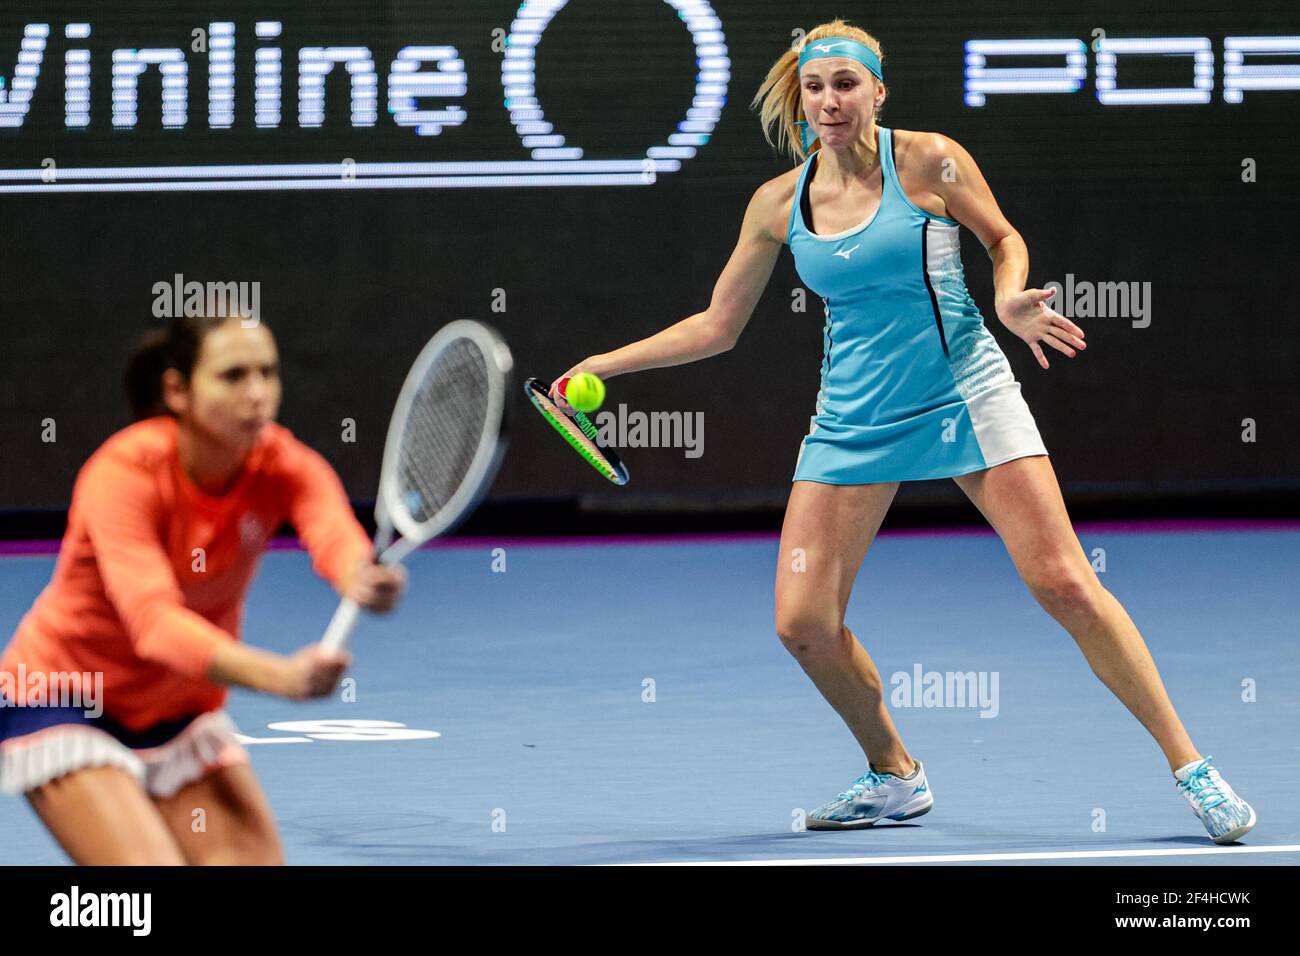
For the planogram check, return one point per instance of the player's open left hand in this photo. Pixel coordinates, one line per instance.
(376, 587)
(1029, 316)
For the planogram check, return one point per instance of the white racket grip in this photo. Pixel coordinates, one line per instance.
(341, 625)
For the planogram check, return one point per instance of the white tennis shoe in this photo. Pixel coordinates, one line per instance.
(875, 797)
(1226, 816)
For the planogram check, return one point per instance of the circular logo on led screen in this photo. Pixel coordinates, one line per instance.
(519, 77)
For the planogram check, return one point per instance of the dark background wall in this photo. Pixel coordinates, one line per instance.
(353, 281)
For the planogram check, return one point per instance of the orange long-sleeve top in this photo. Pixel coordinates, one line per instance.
(152, 571)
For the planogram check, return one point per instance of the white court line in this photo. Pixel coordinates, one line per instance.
(984, 857)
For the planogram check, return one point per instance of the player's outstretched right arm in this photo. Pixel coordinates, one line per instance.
(716, 329)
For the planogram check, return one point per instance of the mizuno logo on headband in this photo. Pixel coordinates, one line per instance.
(844, 46)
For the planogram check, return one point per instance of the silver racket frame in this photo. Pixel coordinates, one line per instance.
(391, 512)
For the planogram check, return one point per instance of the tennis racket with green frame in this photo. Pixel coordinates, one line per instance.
(578, 431)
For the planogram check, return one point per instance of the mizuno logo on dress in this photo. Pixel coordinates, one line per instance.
(848, 252)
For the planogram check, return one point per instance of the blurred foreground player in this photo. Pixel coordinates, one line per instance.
(168, 519)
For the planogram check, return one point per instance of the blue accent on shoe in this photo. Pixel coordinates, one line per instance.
(1225, 815)
(1202, 786)
(910, 816)
(868, 781)
(865, 802)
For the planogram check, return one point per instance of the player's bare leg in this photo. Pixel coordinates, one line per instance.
(102, 817)
(224, 819)
(824, 539)
(1022, 501)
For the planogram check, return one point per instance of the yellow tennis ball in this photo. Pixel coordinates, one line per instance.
(585, 392)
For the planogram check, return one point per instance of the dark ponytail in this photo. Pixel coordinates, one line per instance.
(177, 346)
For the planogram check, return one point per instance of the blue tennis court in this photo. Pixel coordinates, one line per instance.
(666, 723)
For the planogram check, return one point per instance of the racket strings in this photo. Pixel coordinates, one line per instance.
(573, 431)
(443, 430)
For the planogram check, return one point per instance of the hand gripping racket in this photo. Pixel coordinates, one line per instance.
(578, 431)
(445, 442)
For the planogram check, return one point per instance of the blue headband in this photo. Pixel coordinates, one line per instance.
(835, 46)
(841, 46)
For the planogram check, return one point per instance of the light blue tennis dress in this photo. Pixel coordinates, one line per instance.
(913, 386)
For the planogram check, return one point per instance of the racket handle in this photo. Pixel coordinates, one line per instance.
(341, 625)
